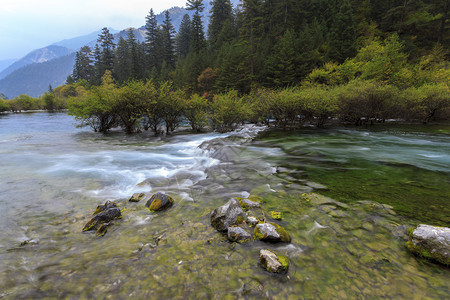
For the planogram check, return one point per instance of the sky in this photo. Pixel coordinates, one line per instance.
(26, 25)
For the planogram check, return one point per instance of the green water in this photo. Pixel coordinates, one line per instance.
(53, 178)
(407, 167)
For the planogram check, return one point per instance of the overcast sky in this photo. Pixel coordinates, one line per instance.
(26, 25)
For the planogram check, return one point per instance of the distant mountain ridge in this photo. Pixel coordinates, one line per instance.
(36, 56)
(34, 79)
(18, 78)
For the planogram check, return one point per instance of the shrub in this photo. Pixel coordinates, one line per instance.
(195, 111)
(228, 110)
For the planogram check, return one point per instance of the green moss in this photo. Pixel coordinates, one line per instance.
(90, 225)
(257, 233)
(276, 215)
(284, 260)
(244, 205)
(422, 252)
(239, 220)
(156, 205)
(285, 237)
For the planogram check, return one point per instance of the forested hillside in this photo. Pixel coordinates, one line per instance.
(265, 43)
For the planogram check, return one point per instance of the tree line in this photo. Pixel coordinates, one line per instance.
(290, 61)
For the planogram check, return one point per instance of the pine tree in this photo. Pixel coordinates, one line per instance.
(121, 64)
(221, 12)
(133, 49)
(151, 38)
(104, 53)
(198, 42)
(282, 63)
(342, 34)
(183, 37)
(83, 68)
(168, 32)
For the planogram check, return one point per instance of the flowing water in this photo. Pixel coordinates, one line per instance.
(53, 175)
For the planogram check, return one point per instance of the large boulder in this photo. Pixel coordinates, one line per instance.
(271, 232)
(226, 215)
(159, 201)
(431, 242)
(237, 234)
(273, 262)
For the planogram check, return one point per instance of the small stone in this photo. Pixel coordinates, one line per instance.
(103, 217)
(228, 214)
(237, 234)
(159, 201)
(247, 204)
(273, 262)
(108, 204)
(137, 197)
(252, 221)
(271, 232)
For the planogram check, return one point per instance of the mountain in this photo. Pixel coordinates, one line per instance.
(52, 64)
(80, 41)
(35, 78)
(6, 63)
(36, 56)
(3, 97)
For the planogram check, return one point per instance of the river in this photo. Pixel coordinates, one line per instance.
(53, 175)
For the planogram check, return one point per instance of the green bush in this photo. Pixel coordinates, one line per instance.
(228, 110)
(195, 111)
(426, 102)
(95, 108)
(4, 105)
(367, 101)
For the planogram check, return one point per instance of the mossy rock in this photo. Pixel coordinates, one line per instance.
(430, 242)
(271, 232)
(159, 201)
(247, 204)
(101, 208)
(238, 234)
(227, 215)
(273, 262)
(103, 217)
(137, 197)
(103, 229)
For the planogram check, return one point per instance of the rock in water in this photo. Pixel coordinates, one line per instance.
(108, 204)
(159, 201)
(271, 232)
(101, 231)
(252, 221)
(226, 215)
(237, 234)
(249, 204)
(431, 242)
(137, 197)
(273, 262)
(103, 217)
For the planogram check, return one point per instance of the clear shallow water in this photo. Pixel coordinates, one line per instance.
(407, 167)
(53, 175)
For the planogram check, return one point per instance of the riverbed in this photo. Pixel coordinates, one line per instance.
(342, 193)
